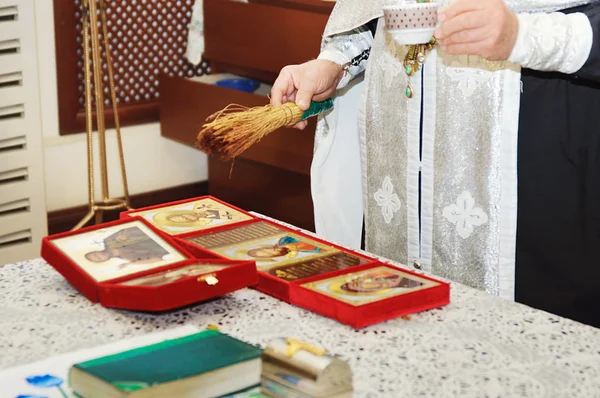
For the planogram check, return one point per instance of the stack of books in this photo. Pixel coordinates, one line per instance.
(184, 362)
(211, 364)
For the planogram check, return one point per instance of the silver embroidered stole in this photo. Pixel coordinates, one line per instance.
(442, 190)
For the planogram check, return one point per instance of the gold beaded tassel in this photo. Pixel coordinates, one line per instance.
(414, 59)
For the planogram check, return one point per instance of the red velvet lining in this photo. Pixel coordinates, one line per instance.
(77, 277)
(368, 314)
(274, 286)
(183, 292)
(239, 275)
(149, 298)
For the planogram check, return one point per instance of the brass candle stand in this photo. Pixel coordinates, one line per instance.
(91, 33)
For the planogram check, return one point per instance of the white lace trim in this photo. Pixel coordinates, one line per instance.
(508, 185)
(430, 70)
(553, 42)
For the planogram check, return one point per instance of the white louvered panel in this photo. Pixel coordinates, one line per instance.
(11, 160)
(11, 78)
(9, 45)
(14, 206)
(22, 200)
(18, 173)
(18, 242)
(12, 128)
(12, 97)
(11, 110)
(10, 30)
(15, 222)
(12, 192)
(9, 238)
(18, 220)
(13, 144)
(13, 185)
(10, 63)
(8, 12)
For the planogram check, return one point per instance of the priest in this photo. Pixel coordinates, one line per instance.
(482, 167)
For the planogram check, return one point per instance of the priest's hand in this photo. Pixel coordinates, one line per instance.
(313, 80)
(487, 28)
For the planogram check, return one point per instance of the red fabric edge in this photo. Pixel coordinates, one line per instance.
(77, 277)
(179, 293)
(274, 286)
(368, 314)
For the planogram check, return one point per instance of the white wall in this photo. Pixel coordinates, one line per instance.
(152, 162)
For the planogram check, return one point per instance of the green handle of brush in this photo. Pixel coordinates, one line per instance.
(316, 108)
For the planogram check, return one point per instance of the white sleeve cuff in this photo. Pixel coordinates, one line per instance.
(341, 59)
(335, 56)
(344, 48)
(553, 42)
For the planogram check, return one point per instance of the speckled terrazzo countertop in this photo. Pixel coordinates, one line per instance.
(478, 346)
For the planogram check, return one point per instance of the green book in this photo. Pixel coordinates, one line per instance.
(205, 364)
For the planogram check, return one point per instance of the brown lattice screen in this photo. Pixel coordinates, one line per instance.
(147, 38)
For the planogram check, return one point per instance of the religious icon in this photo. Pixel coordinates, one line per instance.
(287, 246)
(130, 244)
(377, 281)
(119, 250)
(370, 285)
(191, 216)
(263, 243)
(172, 275)
(283, 248)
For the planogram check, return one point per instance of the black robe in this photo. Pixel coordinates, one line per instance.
(558, 223)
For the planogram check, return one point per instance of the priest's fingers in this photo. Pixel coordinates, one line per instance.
(291, 98)
(460, 7)
(465, 21)
(301, 125)
(473, 48)
(304, 94)
(324, 95)
(464, 36)
(278, 91)
(283, 86)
